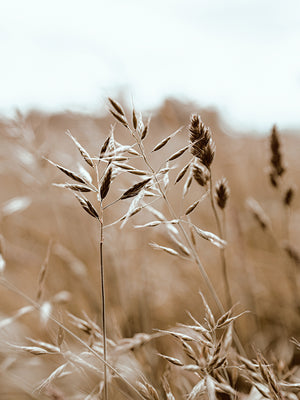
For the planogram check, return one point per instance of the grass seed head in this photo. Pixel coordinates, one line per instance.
(200, 174)
(106, 184)
(276, 156)
(222, 192)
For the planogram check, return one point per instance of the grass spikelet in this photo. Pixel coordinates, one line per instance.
(35, 350)
(137, 172)
(119, 118)
(183, 249)
(222, 192)
(289, 196)
(69, 173)
(196, 128)
(178, 153)
(192, 207)
(87, 206)
(208, 313)
(206, 154)
(187, 184)
(148, 391)
(84, 174)
(144, 132)
(161, 144)
(200, 174)
(134, 119)
(76, 188)
(197, 390)
(117, 106)
(182, 173)
(163, 248)
(106, 184)
(135, 189)
(85, 155)
(211, 237)
(172, 360)
(48, 346)
(276, 156)
(55, 374)
(104, 147)
(258, 213)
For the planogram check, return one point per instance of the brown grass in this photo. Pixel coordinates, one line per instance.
(139, 341)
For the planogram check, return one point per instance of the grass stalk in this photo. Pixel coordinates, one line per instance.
(222, 251)
(103, 314)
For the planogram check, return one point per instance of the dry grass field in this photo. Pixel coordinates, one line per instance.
(201, 288)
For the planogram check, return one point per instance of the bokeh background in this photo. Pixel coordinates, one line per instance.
(238, 65)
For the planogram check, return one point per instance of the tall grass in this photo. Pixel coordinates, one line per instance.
(136, 188)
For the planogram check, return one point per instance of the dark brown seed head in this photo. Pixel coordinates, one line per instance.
(105, 184)
(135, 189)
(206, 155)
(198, 131)
(201, 143)
(222, 192)
(144, 133)
(276, 157)
(87, 206)
(104, 147)
(195, 127)
(182, 173)
(200, 174)
(120, 118)
(117, 106)
(288, 197)
(134, 119)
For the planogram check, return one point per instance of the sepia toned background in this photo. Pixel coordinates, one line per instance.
(237, 65)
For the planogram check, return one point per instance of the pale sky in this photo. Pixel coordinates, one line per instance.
(240, 56)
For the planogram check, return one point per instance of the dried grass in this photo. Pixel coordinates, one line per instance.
(110, 351)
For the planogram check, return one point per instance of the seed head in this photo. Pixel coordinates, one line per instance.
(206, 154)
(200, 174)
(198, 131)
(276, 157)
(222, 192)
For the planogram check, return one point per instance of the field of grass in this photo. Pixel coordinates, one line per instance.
(125, 274)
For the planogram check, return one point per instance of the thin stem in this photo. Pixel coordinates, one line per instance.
(103, 305)
(222, 251)
(225, 272)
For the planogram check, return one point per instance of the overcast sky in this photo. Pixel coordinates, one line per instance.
(241, 56)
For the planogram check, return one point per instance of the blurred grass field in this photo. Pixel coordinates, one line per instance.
(145, 289)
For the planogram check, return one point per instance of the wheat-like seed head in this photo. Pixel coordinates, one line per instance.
(200, 174)
(222, 192)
